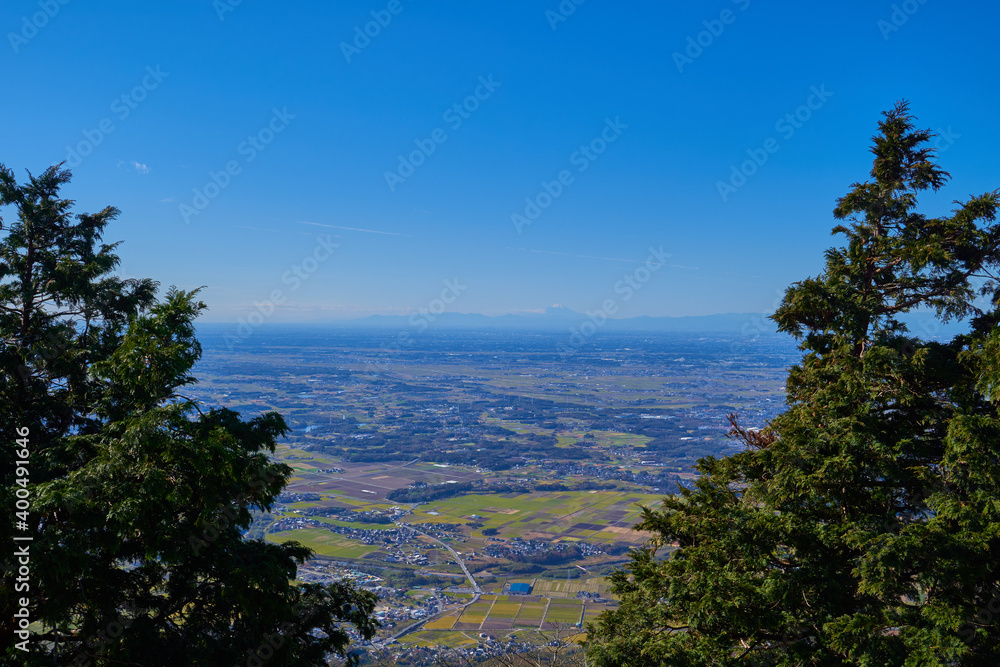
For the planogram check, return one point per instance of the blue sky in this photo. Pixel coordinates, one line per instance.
(618, 120)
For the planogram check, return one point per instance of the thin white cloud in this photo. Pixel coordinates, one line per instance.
(139, 167)
(352, 229)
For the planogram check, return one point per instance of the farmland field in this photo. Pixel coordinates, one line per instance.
(323, 542)
(564, 613)
(531, 613)
(506, 609)
(557, 588)
(443, 623)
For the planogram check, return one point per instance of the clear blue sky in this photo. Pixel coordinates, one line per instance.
(187, 88)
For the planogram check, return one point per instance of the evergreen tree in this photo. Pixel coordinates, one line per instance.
(862, 526)
(137, 500)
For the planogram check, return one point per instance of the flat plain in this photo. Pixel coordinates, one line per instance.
(532, 466)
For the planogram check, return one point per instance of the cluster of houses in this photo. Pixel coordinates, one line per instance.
(343, 514)
(414, 608)
(298, 497)
(487, 647)
(402, 556)
(324, 571)
(388, 616)
(593, 597)
(520, 549)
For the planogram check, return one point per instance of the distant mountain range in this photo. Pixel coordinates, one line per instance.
(562, 319)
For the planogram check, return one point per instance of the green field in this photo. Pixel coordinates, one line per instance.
(531, 612)
(505, 609)
(324, 542)
(478, 609)
(564, 613)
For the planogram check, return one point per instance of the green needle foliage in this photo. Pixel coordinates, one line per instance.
(138, 499)
(862, 526)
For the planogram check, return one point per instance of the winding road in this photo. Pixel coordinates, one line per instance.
(475, 586)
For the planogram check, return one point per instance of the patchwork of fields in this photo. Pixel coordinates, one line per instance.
(595, 516)
(594, 437)
(502, 614)
(368, 482)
